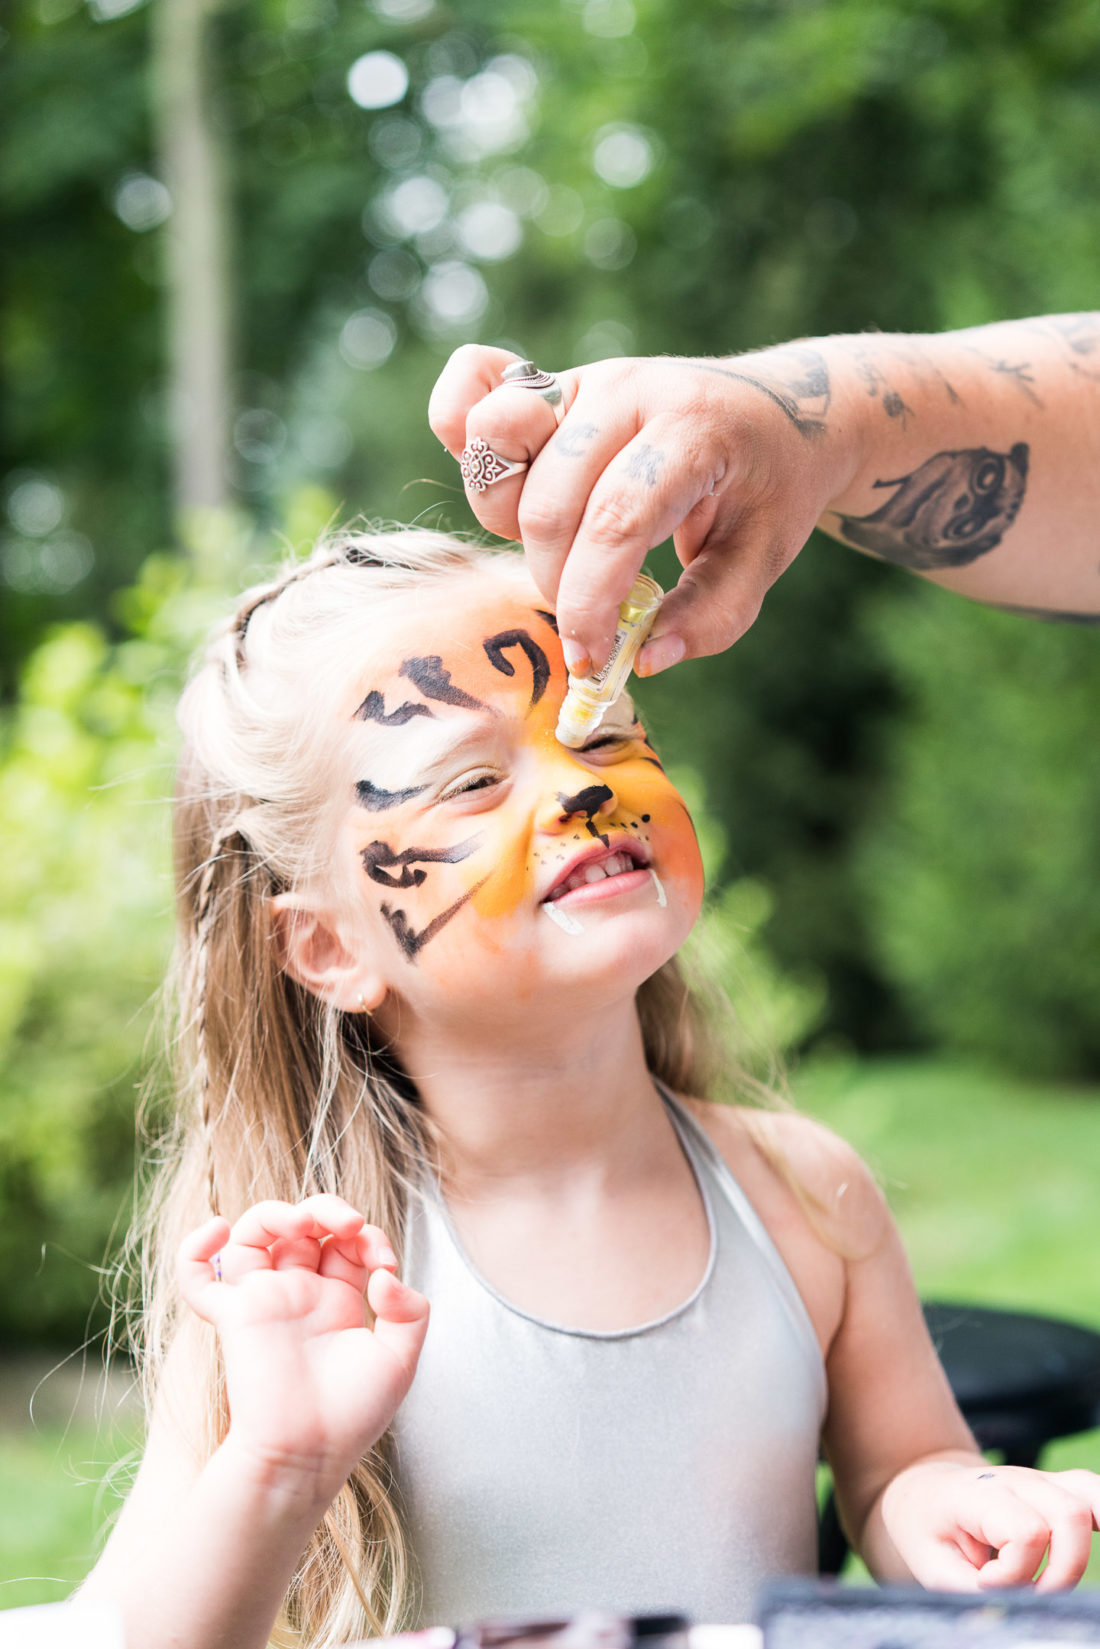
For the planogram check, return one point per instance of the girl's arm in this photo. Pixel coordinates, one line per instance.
(203, 1554)
(969, 457)
(918, 1499)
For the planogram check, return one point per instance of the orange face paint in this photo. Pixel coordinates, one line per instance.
(468, 818)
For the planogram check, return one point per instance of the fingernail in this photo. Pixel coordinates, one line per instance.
(660, 654)
(577, 661)
(386, 1256)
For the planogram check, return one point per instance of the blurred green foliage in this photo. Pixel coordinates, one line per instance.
(980, 863)
(902, 781)
(86, 760)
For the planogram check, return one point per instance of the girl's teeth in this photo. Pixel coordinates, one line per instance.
(615, 865)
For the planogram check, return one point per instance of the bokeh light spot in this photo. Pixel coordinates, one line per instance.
(367, 339)
(416, 205)
(622, 155)
(605, 340)
(609, 243)
(453, 297)
(489, 230)
(395, 141)
(377, 80)
(141, 202)
(35, 506)
(394, 275)
(403, 11)
(562, 213)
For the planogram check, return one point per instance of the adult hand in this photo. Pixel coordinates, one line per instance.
(736, 460)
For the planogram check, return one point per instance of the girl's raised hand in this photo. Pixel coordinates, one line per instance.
(966, 1528)
(310, 1387)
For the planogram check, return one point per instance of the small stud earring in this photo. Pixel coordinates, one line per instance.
(363, 1004)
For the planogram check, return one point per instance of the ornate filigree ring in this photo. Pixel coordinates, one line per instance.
(526, 375)
(481, 466)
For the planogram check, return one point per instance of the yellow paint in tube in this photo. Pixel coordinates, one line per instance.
(590, 697)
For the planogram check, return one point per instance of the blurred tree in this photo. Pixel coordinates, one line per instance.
(993, 933)
(197, 294)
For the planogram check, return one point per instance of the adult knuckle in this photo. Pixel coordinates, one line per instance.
(539, 518)
(610, 518)
(465, 355)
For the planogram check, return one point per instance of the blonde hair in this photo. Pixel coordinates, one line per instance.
(279, 1094)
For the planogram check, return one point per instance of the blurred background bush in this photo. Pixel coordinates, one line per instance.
(243, 236)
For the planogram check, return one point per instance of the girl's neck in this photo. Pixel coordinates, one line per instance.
(530, 1113)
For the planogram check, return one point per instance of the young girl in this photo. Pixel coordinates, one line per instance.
(432, 1022)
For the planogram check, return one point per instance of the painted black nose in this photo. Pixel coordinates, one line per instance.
(587, 801)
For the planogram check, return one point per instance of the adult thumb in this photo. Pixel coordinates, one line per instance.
(716, 600)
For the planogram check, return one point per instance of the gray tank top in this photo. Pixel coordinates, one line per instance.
(545, 1469)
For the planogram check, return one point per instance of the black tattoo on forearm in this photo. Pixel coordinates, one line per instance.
(956, 507)
(796, 379)
(644, 464)
(1018, 371)
(574, 440)
(869, 350)
(1081, 335)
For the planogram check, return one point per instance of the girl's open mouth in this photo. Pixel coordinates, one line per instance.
(601, 876)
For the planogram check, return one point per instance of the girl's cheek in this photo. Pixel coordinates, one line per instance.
(504, 874)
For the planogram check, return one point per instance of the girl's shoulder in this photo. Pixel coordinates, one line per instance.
(799, 1176)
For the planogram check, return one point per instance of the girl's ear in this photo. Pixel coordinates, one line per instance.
(312, 952)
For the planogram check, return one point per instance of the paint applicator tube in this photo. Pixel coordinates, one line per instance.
(590, 697)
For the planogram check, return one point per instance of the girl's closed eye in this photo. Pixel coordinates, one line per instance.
(476, 779)
(608, 746)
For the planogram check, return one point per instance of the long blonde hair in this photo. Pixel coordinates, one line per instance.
(278, 1094)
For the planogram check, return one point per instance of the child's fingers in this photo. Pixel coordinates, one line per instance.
(266, 1222)
(376, 1249)
(401, 1316)
(331, 1215)
(1072, 1518)
(301, 1253)
(197, 1267)
(1018, 1529)
(942, 1566)
(351, 1259)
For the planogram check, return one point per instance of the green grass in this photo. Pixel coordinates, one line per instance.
(53, 1506)
(993, 1183)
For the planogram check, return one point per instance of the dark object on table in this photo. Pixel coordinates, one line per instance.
(806, 1614)
(1021, 1381)
(595, 1630)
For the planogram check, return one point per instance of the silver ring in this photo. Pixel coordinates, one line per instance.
(481, 466)
(526, 375)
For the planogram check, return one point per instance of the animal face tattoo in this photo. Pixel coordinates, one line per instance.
(485, 849)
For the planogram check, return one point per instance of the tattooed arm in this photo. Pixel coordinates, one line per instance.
(969, 457)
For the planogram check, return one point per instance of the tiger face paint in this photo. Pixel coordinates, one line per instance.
(488, 857)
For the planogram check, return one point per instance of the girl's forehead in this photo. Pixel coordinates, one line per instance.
(489, 625)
